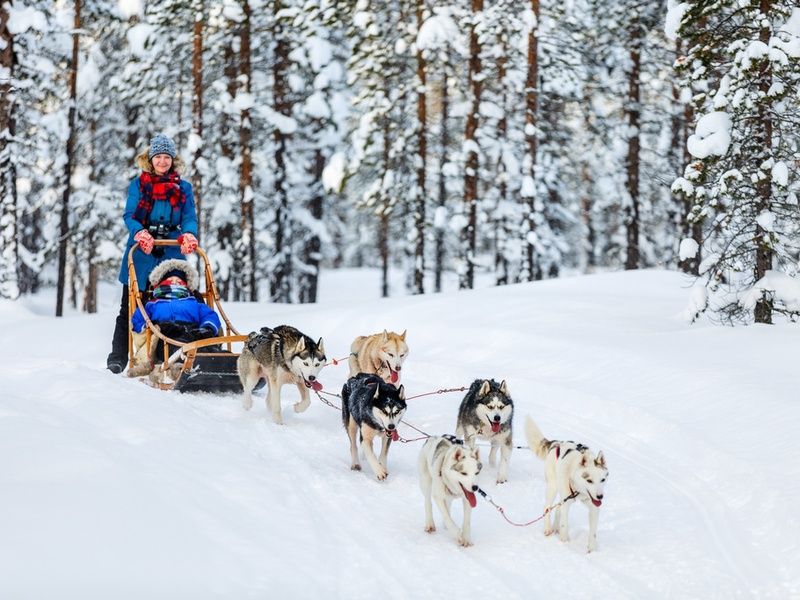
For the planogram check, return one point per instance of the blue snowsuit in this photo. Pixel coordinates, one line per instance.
(179, 220)
(174, 310)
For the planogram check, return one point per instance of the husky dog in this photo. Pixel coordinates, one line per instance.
(448, 469)
(371, 406)
(486, 412)
(380, 353)
(572, 472)
(280, 355)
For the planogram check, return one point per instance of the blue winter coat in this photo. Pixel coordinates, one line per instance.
(184, 218)
(183, 310)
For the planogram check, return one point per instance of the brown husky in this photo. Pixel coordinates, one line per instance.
(381, 354)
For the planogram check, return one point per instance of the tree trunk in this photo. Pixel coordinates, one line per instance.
(501, 265)
(422, 151)
(248, 249)
(64, 221)
(445, 141)
(313, 249)
(197, 112)
(764, 251)
(383, 215)
(633, 110)
(475, 85)
(280, 281)
(9, 241)
(531, 122)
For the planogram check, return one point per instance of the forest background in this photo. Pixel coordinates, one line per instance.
(512, 141)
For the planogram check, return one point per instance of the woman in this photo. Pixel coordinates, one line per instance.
(160, 205)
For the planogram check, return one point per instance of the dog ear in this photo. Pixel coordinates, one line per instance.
(377, 392)
(320, 347)
(458, 455)
(301, 345)
(486, 387)
(600, 461)
(584, 459)
(403, 335)
(384, 335)
(503, 388)
(401, 393)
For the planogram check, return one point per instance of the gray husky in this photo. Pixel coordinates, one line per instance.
(280, 355)
(486, 412)
(572, 472)
(372, 407)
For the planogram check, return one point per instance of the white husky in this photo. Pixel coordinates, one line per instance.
(573, 473)
(447, 470)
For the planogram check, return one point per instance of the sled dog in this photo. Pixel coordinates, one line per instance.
(372, 407)
(380, 353)
(281, 355)
(448, 469)
(486, 412)
(571, 472)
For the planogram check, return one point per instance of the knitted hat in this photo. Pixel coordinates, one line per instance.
(161, 144)
(178, 268)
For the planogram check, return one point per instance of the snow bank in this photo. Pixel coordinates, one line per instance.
(712, 136)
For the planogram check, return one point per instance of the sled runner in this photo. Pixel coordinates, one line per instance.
(207, 365)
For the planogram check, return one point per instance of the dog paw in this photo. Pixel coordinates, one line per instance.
(564, 537)
(502, 479)
(430, 528)
(301, 406)
(247, 405)
(382, 474)
(464, 542)
(355, 467)
(548, 531)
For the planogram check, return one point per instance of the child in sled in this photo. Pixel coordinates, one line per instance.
(175, 310)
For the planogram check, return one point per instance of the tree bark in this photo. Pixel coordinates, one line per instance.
(445, 141)
(64, 221)
(475, 85)
(501, 265)
(248, 252)
(280, 281)
(9, 241)
(197, 111)
(764, 251)
(633, 110)
(531, 122)
(422, 151)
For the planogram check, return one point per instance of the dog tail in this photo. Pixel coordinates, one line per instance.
(538, 444)
(345, 409)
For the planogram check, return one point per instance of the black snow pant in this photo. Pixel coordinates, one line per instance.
(119, 343)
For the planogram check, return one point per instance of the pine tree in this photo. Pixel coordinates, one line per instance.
(747, 55)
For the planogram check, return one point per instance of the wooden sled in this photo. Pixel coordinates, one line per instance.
(190, 368)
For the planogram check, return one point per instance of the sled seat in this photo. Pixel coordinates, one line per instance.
(210, 372)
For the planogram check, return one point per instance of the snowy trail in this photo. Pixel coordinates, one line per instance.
(110, 485)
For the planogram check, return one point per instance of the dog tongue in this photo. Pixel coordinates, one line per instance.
(470, 496)
(316, 385)
(395, 435)
(495, 427)
(596, 502)
(393, 376)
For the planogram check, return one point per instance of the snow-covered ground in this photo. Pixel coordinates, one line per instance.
(112, 489)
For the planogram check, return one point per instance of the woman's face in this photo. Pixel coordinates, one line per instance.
(161, 163)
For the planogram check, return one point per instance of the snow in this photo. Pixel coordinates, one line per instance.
(115, 489)
(712, 136)
(439, 30)
(130, 8)
(334, 172)
(688, 248)
(137, 38)
(784, 290)
(766, 220)
(780, 174)
(21, 19)
(675, 12)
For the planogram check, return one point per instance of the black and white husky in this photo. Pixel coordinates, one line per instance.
(371, 407)
(448, 469)
(486, 412)
(281, 355)
(572, 472)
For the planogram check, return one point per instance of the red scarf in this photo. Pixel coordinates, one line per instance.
(154, 187)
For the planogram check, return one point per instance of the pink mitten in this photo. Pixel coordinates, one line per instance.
(188, 243)
(145, 241)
